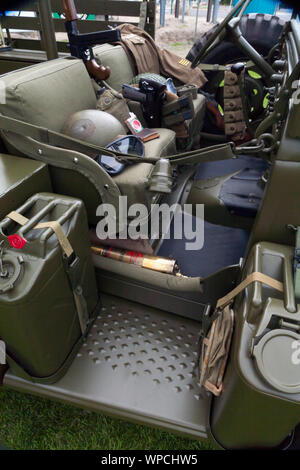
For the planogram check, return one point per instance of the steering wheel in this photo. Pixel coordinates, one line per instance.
(220, 29)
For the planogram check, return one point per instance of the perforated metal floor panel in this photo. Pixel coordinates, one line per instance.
(139, 364)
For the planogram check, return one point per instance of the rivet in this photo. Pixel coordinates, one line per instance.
(106, 186)
(75, 160)
(40, 151)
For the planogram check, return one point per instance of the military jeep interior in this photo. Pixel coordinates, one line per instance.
(139, 359)
(48, 94)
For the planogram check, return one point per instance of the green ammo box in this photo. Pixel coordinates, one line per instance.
(48, 299)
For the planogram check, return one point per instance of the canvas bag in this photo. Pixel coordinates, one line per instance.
(215, 345)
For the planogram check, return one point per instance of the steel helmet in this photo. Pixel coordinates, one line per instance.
(94, 126)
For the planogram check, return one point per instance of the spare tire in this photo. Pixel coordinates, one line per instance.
(261, 31)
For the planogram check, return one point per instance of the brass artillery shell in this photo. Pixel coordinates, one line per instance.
(155, 263)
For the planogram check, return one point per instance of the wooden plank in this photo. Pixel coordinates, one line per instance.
(97, 7)
(26, 6)
(33, 24)
(108, 8)
(35, 45)
(22, 55)
(28, 44)
(18, 22)
(87, 26)
(9, 65)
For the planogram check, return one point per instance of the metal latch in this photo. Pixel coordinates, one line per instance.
(74, 272)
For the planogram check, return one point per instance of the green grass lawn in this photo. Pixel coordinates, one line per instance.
(34, 423)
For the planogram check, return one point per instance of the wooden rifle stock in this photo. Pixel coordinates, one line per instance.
(98, 72)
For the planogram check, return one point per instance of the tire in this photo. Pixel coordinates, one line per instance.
(261, 31)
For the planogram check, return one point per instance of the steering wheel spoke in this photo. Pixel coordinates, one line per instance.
(219, 34)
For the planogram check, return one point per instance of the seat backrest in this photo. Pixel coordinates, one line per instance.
(48, 93)
(116, 58)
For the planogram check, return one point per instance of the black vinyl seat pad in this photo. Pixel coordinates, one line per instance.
(223, 246)
(243, 192)
(225, 167)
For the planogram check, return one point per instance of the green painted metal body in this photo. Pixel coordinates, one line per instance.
(139, 360)
(38, 316)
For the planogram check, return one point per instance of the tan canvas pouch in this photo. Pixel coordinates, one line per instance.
(215, 346)
(214, 354)
(113, 105)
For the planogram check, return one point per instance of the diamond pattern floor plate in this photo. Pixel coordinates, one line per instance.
(138, 363)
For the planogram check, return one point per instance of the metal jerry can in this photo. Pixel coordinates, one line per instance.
(48, 292)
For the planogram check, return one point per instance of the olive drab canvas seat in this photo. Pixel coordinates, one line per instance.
(121, 72)
(46, 95)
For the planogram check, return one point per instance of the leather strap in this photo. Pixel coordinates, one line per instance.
(254, 277)
(54, 225)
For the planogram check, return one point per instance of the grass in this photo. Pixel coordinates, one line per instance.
(31, 423)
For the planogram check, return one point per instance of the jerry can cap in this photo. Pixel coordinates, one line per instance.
(277, 357)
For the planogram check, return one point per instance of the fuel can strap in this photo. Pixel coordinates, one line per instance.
(54, 225)
(254, 277)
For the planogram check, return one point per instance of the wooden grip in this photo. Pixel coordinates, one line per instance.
(99, 72)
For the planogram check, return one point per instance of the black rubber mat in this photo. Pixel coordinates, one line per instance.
(241, 194)
(223, 246)
(225, 167)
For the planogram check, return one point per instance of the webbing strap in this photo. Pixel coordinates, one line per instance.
(19, 218)
(254, 277)
(221, 68)
(46, 136)
(54, 225)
